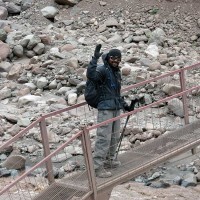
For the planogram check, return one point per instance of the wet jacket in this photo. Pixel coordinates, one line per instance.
(108, 81)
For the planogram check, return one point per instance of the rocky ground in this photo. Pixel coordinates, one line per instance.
(164, 186)
(44, 51)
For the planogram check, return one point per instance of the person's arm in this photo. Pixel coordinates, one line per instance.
(92, 73)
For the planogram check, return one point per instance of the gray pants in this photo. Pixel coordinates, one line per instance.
(107, 137)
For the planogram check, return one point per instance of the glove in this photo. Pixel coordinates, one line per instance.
(133, 102)
(97, 53)
(127, 108)
(138, 100)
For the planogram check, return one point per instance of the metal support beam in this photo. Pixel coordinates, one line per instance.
(184, 96)
(185, 104)
(89, 162)
(45, 143)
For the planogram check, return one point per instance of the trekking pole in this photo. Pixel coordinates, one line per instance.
(139, 100)
(122, 135)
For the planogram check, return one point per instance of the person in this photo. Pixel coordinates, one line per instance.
(108, 79)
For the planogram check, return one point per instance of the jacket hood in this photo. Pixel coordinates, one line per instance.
(104, 58)
(105, 61)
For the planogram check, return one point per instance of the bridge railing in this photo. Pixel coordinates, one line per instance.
(69, 145)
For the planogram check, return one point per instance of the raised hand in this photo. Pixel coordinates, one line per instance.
(97, 53)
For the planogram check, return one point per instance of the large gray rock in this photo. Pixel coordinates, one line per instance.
(29, 99)
(158, 36)
(39, 48)
(176, 106)
(49, 12)
(33, 42)
(5, 66)
(3, 13)
(13, 8)
(190, 180)
(18, 50)
(25, 4)
(15, 162)
(4, 50)
(42, 82)
(171, 89)
(5, 93)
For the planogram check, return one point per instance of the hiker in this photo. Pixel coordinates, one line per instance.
(108, 79)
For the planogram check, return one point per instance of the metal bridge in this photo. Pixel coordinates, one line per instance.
(177, 134)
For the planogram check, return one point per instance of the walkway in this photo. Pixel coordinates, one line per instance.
(134, 162)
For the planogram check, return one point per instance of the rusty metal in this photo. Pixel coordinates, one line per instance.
(64, 110)
(45, 143)
(142, 159)
(154, 152)
(143, 107)
(7, 187)
(160, 77)
(60, 191)
(184, 96)
(88, 157)
(13, 139)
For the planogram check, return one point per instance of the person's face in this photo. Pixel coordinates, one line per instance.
(114, 61)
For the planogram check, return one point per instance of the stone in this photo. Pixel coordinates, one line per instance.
(126, 71)
(4, 50)
(171, 89)
(3, 13)
(5, 66)
(67, 2)
(72, 99)
(191, 180)
(13, 8)
(3, 35)
(49, 12)
(18, 50)
(42, 82)
(111, 22)
(176, 106)
(39, 48)
(14, 72)
(14, 162)
(14, 130)
(5, 93)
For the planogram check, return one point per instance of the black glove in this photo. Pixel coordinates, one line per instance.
(137, 99)
(97, 53)
(133, 102)
(127, 108)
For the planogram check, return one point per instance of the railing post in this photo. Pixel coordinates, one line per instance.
(184, 96)
(45, 143)
(87, 151)
(185, 104)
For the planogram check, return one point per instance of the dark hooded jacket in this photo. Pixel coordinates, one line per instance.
(108, 81)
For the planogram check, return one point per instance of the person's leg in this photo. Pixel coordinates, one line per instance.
(111, 162)
(114, 136)
(103, 139)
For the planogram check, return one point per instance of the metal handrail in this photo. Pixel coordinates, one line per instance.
(41, 162)
(84, 103)
(142, 108)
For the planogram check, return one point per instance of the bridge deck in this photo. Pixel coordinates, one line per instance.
(134, 162)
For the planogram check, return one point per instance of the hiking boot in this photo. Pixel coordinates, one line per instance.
(112, 163)
(102, 173)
